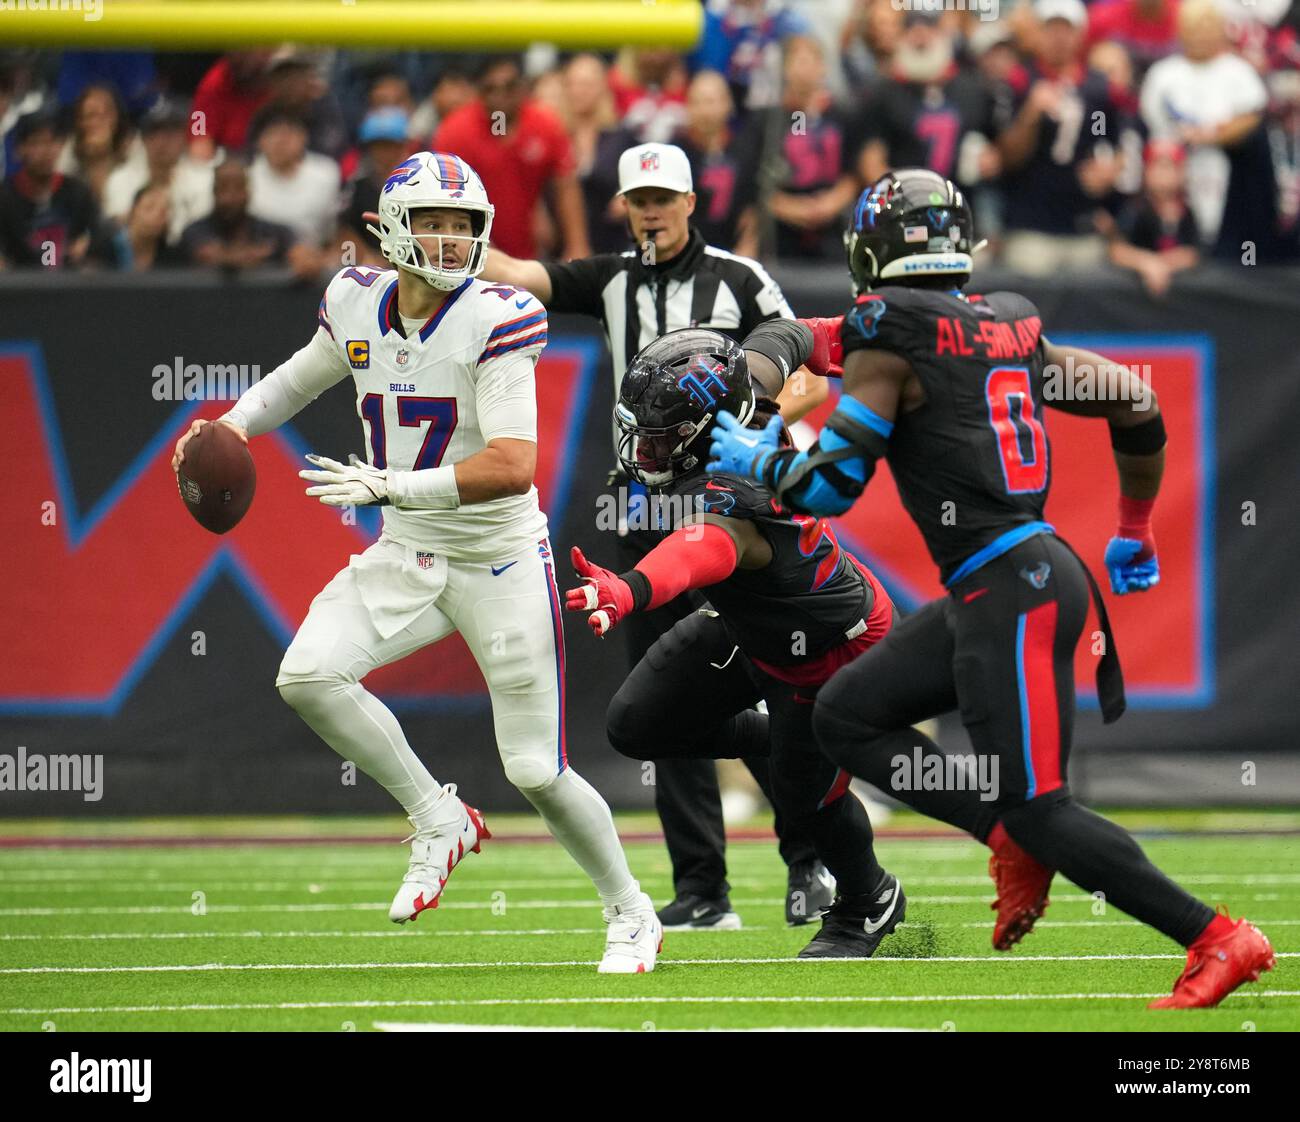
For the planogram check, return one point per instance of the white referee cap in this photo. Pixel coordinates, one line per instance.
(654, 165)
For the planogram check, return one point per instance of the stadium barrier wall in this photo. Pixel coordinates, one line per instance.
(130, 634)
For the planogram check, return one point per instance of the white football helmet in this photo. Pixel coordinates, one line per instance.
(425, 180)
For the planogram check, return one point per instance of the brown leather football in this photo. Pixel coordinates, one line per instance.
(217, 478)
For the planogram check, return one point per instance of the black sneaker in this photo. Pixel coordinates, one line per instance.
(696, 913)
(810, 891)
(855, 925)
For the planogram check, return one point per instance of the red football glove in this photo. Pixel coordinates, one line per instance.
(827, 358)
(606, 595)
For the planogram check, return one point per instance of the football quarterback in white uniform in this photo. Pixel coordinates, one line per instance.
(444, 370)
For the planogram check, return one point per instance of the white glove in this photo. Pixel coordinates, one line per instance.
(351, 484)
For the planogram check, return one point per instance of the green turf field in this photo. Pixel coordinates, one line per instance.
(296, 936)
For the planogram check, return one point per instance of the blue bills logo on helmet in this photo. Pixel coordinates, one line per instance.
(405, 172)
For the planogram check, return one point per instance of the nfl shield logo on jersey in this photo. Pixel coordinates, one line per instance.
(403, 357)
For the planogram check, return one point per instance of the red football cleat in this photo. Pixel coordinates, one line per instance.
(1022, 884)
(1216, 969)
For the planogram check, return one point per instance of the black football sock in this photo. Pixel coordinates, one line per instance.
(1100, 856)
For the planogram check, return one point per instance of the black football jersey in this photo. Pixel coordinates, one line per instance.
(974, 460)
(801, 604)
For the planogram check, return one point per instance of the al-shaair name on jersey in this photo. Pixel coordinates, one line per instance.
(436, 395)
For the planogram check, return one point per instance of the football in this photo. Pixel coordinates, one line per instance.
(217, 478)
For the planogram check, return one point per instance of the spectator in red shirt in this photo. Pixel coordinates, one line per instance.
(230, 93)
(649, 87)
(517, 146)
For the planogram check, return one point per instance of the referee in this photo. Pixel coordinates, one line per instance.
(673, 280)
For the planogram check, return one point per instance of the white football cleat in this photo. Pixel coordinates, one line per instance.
(635, 937)
(434, 853)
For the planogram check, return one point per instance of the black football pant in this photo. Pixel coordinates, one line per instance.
(999, 649)
(691, 700)
(687, 799)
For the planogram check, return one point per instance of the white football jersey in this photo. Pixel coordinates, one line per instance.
(436, 396)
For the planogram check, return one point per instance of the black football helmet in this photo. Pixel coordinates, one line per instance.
(909, 223)
(671, 394)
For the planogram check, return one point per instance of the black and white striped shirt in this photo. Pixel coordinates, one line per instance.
(700, 287)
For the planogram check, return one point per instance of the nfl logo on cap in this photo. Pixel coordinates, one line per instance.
(654, 165)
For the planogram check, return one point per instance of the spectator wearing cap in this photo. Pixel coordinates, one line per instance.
(102, 139)
(165, 133)
(231, 92)
(231, 238)
(1211, 100)
(807, 163)
(384, 138)
(519, 148)
(291, 186)
(669, 280)
(47, 219)
(1058, 169)
(723, 166)
(1155, 234)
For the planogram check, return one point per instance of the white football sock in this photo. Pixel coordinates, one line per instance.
(579, 819)
(362, 729)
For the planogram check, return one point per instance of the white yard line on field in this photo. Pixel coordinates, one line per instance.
(817, 999)
(445, 933)
(473, 905)
(233, 967)
(64, 881)
(443, 1026)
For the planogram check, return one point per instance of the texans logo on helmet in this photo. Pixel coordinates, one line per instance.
(865, 315)
(702, 377)
(403, 173)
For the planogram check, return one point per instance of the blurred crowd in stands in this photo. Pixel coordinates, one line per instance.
(1151, 133)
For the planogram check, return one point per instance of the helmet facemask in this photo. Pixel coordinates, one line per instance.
(656, 456)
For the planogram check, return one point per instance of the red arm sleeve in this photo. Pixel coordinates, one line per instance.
(692, 557)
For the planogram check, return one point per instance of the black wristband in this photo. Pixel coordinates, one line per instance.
(1145, 439)
(639, 583)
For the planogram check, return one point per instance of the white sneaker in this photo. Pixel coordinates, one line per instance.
(634, 938)
(434, 853)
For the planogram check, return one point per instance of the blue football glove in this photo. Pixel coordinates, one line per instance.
(737, 450)
(1127, 574)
